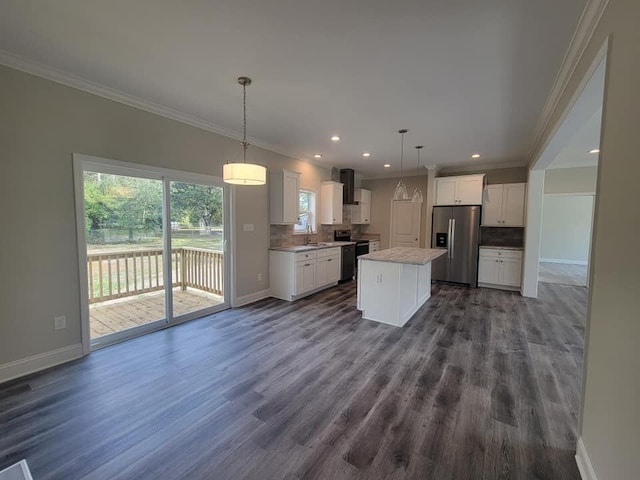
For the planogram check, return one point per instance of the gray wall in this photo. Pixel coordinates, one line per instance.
(610, 423)
(571, 180)
(566, 227)
(41, 124)
(382, 190)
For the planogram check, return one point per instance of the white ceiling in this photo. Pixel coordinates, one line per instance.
(463, 76)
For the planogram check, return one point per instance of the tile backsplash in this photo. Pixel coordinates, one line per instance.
(502, 236)
(282, 235)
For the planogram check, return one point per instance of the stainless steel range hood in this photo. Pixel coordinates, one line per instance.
(347, 178)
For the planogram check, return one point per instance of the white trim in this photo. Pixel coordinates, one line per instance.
(251, 297)
(584, 462)
(533, 234)
(565, 261)
(71, 80)
(41, 361)
(78, 189)
(593, 11)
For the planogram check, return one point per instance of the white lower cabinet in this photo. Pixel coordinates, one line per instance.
(500, 268)
(305, 276)
(294, 275)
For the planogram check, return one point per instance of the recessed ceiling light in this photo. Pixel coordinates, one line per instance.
(595, 150)
(386, 165)
(317, 155)
(475, 155)
(335, 138)
(366, 154)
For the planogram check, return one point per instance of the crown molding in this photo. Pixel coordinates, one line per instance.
(38, 69)
(465, 168)
(589, 20)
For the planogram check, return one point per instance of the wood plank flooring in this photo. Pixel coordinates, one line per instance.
(563, 273)
(480, 384)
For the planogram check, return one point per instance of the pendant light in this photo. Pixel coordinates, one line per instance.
(244, 173)
(417, 193)
(401, 188)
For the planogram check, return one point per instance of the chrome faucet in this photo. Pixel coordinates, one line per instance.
(307, 236)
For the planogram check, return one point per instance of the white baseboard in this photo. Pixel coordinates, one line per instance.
(584, 462)
(565, 261)
(41, 361)
(252, 297)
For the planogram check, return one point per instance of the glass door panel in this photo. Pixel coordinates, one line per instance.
(124, 240)
(197, 247)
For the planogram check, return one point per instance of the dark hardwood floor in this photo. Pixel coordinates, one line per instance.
(480, 384)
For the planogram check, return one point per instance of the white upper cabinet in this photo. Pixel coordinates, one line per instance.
(361, 213)
(284, 198)
(462, 190)
(331, 203)
(503, 205)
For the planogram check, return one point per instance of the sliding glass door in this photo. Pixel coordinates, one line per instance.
(153, 244)
(197, 244)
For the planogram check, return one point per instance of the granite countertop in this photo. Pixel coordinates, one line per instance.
(502, 248)
(412, 256)
(308, 248)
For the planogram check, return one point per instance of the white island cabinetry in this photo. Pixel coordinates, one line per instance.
(394, 283)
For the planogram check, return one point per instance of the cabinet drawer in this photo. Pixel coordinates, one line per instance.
(328, 252)
(305, 256)
(500, 253)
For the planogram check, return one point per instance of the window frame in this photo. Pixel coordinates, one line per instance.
(313, 211)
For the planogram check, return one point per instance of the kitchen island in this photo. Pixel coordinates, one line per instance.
(394, 283)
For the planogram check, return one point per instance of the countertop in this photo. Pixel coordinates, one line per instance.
(308, 248)
(501, 248)
(412, 256)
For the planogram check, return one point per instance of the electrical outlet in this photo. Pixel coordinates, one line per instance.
(259, 277)
(59, 323)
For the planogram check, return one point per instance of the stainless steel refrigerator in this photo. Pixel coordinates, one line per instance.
(458, 230)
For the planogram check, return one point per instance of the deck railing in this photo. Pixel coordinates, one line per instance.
(122, 274)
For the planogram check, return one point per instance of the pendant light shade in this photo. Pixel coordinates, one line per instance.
(244, 173)
(401, 189)
(417, 193)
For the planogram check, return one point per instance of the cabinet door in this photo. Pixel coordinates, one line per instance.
(513, 204)
(446, 191)
(365, 206)
(469, 190)
(309, 276)
(333, 269)
(492, 206)
(291, 200)
(488, 270)
(299, 286)
(321, 272)
(337, 203)
(510, 272)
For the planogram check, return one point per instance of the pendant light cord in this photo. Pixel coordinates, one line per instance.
(245, 144)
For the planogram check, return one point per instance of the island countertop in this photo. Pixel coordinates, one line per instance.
(407, 255)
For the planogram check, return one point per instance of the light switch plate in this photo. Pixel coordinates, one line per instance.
(60, 323)
(248, 227)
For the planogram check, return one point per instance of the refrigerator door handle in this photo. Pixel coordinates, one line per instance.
(452, 241)
(449, 240)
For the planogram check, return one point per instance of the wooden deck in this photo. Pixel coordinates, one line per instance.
(124, 313)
